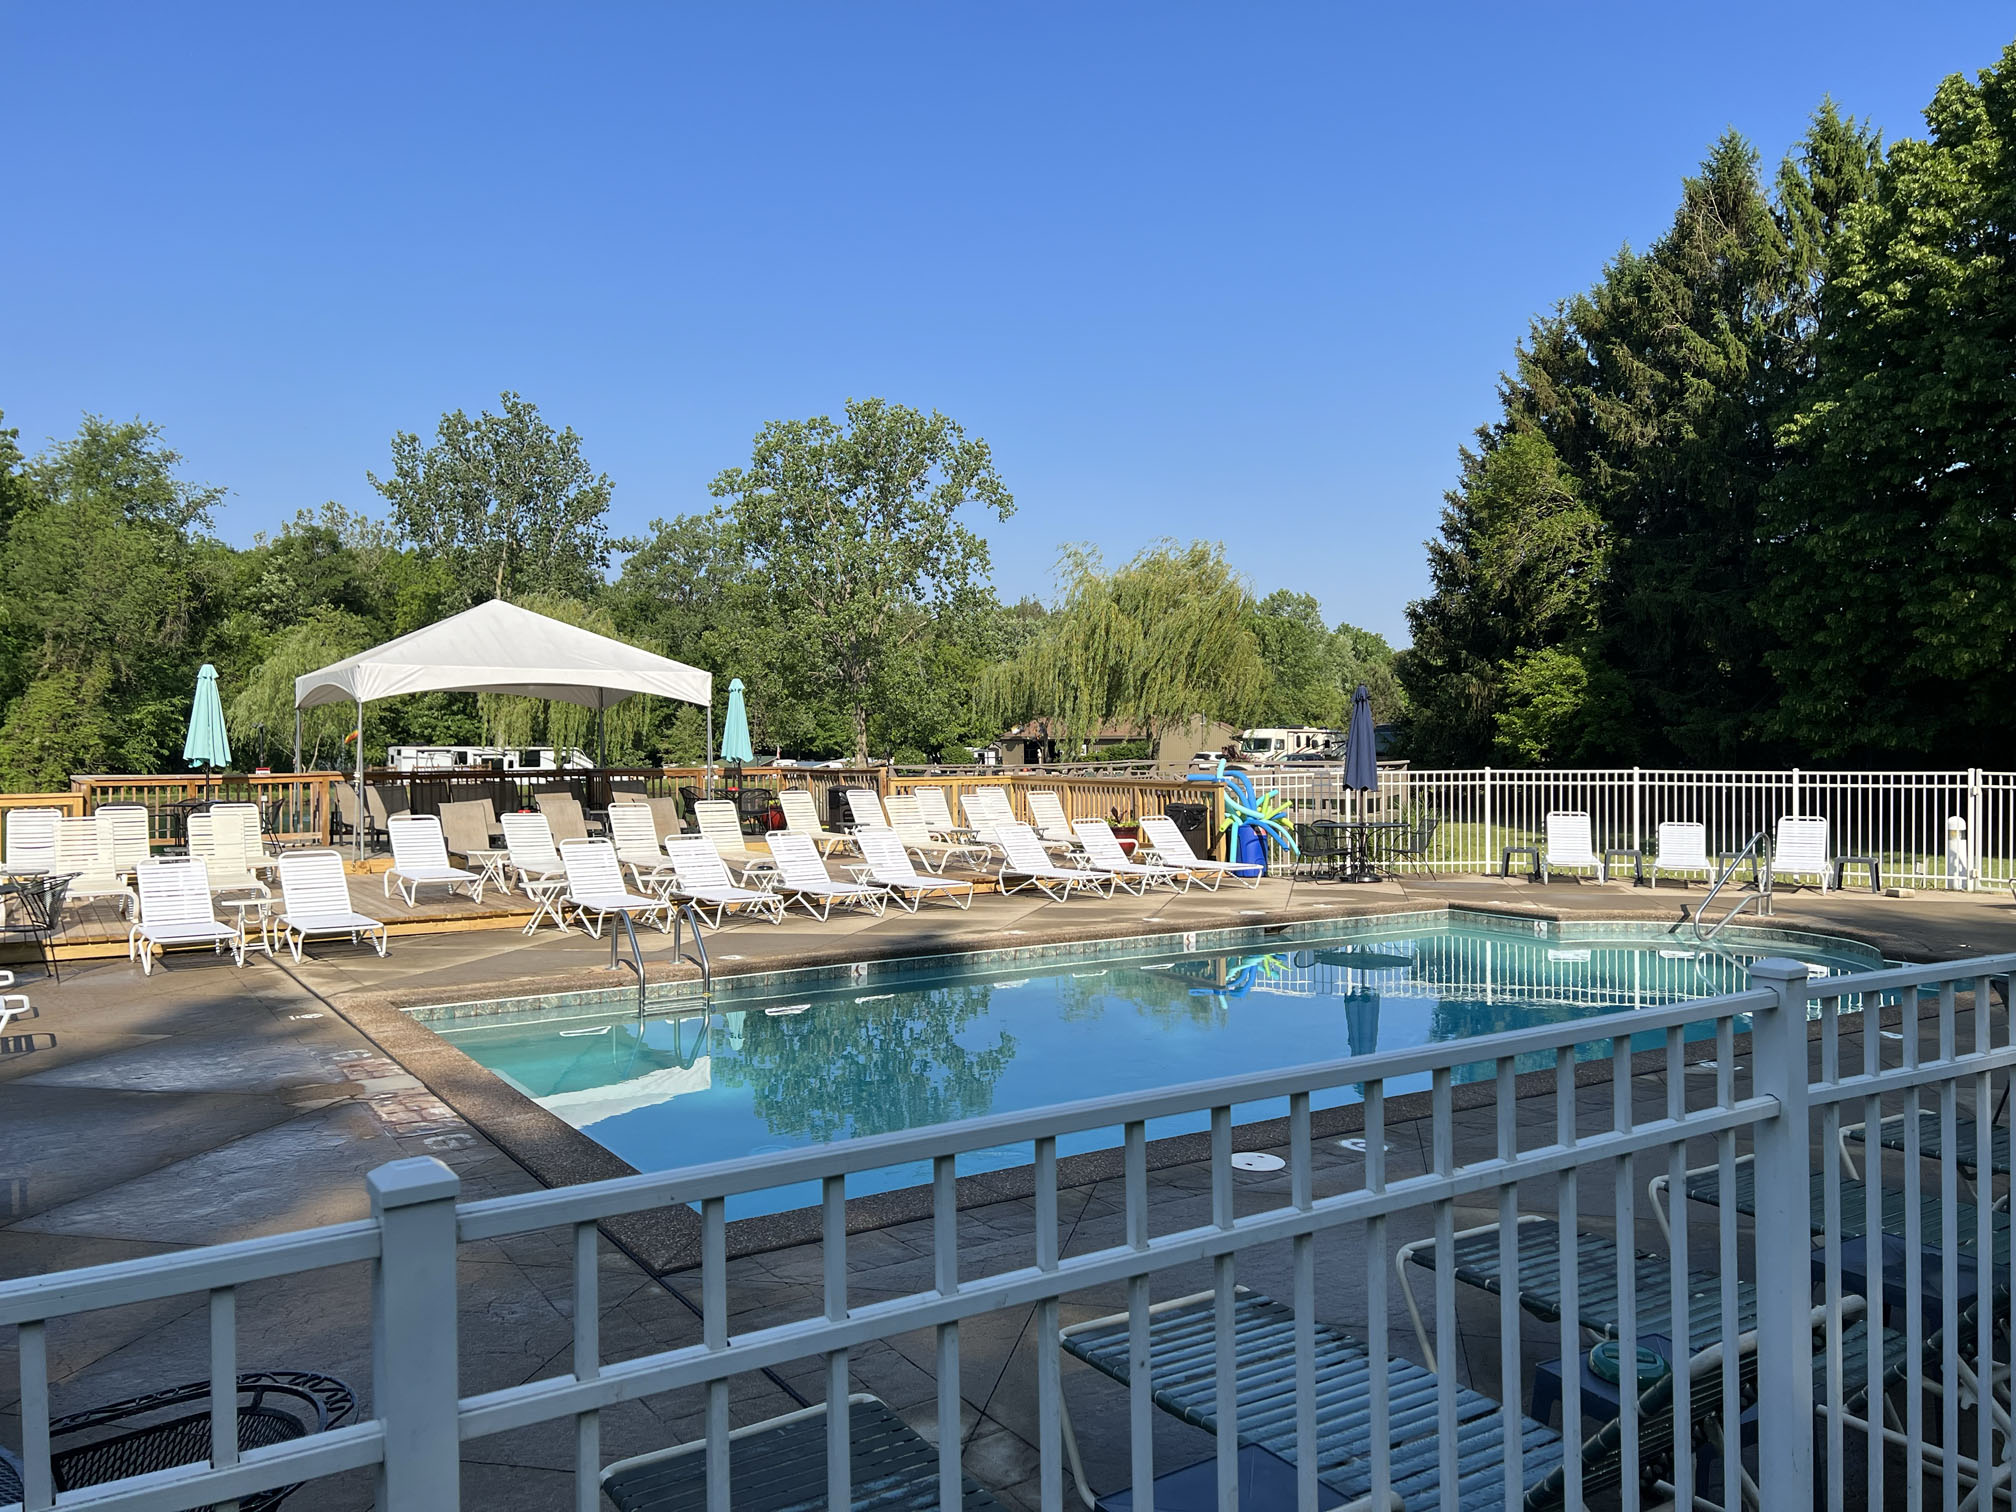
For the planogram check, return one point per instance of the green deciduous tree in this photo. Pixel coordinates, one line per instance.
(507, 503)
(1892, 533)
(855, 531)
(1164, 637)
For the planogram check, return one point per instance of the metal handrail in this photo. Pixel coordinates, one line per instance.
(636, 958)
(683, 915)
(1759, 868)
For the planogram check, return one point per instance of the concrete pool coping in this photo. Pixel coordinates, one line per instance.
(666, 1240)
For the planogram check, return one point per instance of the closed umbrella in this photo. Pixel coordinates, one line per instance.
(735, 745)
(1361, 766)
(206, 743)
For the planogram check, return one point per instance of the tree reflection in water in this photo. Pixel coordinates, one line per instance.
(849, 1070)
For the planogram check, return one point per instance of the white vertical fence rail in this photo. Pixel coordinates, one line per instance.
(1463, 820)
(1775, 1125)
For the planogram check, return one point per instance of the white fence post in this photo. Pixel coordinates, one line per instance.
(1784, 1157)
(1974, 849)
(414, 1380)
(1487, 821)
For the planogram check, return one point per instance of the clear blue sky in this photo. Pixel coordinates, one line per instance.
(1237, 272)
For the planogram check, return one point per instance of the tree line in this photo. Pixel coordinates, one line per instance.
(841, 572)
(1751, 498)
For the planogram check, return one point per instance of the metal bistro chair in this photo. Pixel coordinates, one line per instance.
(1324, 847)
(145, 1433)
(40, 900)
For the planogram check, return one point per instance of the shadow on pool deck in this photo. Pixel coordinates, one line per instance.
(207, 1103)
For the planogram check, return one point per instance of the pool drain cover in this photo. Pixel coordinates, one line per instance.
(1256, 1161)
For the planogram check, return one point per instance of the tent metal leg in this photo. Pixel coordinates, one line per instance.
(363, 810)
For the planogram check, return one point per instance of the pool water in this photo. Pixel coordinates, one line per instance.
(902, 1048)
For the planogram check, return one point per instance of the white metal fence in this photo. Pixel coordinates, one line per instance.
(1744, 1117)
(1900, 819)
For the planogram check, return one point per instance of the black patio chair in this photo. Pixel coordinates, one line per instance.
(1415, 844)
(41, 904)
(1324, 848)
(147, 1433)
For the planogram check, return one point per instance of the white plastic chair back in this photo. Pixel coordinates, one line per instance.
(886, 858)
(1047, 810)
(246, 817)
(697, 863)
(220, 846)
(125, 825)
(801, 814)
(1024, 851)
(1801, 846)
(936, 811)
(632, 833)
(720, 825)
(1683, 846)
(1102, 846)
(465, 826)
(865, 804)
(564, 818)
(31, 838)
(417, 843)
(312, 885)
(529, 841)
(993, 802)
(175, 891)
(1167, 839)
(798, 863)
(1568, 840)
(906, 818)
(84, 846)
(592, 871)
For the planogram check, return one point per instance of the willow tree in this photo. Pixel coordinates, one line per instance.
(1167, 636)
(512, 720)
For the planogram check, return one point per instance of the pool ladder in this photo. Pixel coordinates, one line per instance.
(682, 915)
(1759, 869)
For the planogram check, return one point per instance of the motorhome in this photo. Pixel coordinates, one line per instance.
(447, 758)
(1278, 744)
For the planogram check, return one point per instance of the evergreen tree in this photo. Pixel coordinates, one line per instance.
(1892, 533)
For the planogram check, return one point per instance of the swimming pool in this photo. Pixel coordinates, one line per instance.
(780, 1063)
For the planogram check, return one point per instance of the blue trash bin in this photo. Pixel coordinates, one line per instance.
(1251, 849)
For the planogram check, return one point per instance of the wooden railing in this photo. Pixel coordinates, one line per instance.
(295, 805)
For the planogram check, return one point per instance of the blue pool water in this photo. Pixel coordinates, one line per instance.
(780, 1068)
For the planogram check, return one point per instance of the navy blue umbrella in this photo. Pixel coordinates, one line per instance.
(1361, 746)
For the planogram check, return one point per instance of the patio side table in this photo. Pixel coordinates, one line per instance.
(1637, 861)
(1875, 868)
(1505, 861)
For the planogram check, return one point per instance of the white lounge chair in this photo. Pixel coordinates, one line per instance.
(465, 829)
(246, 816)
(1569, 844)
(802, 875)
(1103, 850)
(126, 828)
(315, 902)
(1048, 819)
(1683, 847)
(885, 862)
(31, 840)
(906, 819)
(175, 909)
(864, 806)
(1023, 857)
(636, 840)
(801, 817)
(1799, 849)
(1165, 843)
(937, 813)
(528, 841)
(986, 810)
(13, 1005)
(84, 849)
(704, 882)
(721, 826)
(221, 849)
(420, 856)
(595, 888)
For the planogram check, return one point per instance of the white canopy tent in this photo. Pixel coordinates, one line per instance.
(501, 648)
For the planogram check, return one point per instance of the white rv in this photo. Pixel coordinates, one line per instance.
(1279, 743)
(445, 758)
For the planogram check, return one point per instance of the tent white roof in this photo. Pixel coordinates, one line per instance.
(500, 648)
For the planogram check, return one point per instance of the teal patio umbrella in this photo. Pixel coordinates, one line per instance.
(735, 747)
(206, 743)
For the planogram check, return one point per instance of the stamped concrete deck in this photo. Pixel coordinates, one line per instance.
(206, 1103)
